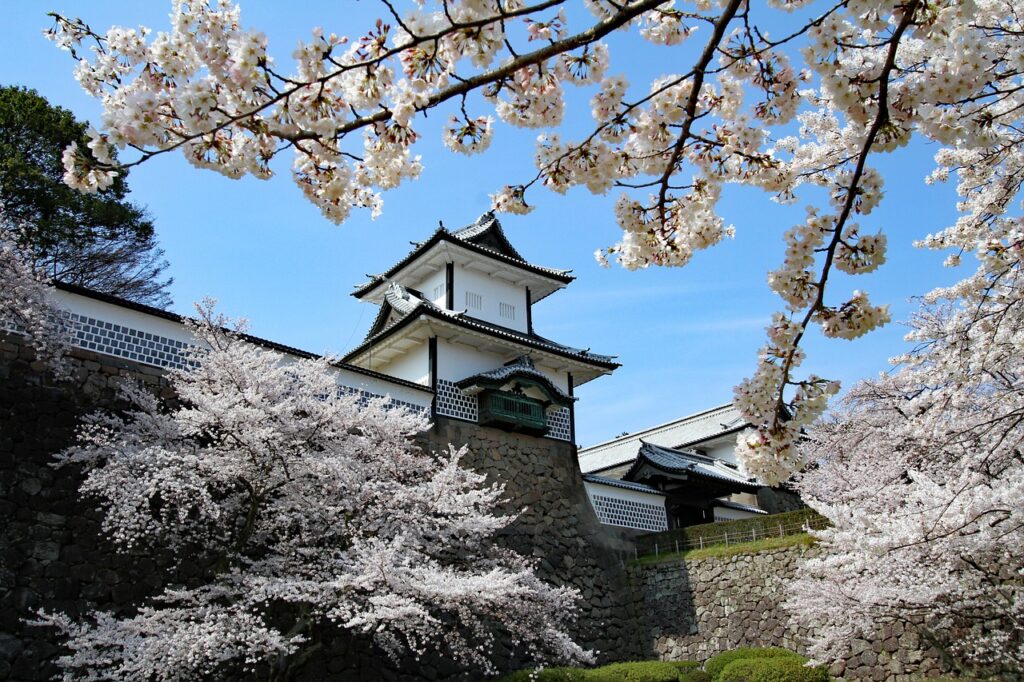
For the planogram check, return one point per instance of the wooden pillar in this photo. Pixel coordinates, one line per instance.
(449, 286)
(572, 413)
(529, 315)
(432, 354)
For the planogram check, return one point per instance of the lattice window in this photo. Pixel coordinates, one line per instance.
(629, 513)
(558, 424)
(507, 310)
(439, 291)
(452, 402)
(474, 301)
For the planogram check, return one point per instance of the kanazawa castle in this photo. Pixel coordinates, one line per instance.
(454, 337)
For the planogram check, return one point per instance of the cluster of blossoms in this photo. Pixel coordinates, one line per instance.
(922, 478)
(770, 448)
(26, 303)
(874, 74)
(316, 513)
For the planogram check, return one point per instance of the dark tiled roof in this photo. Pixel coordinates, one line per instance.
(265, 343)
(690, 463)
(487, 232)
(616, 483)
(520, 367)
(485, 237)
(408, 305)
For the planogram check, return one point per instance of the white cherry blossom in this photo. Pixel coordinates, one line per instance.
(808, 103)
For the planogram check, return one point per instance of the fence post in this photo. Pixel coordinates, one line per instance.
(702, 542)
(726, 538)
(780, 530)
(753, 534)
(655, 549)
(677, 545)
(636, 554)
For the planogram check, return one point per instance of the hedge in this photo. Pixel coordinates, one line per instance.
(716, 664)
(740, 530)
(639, 671)
(780, 669)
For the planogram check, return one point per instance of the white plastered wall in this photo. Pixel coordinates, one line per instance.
(413, 365)
(723, 448)
(114, 314)
(433, 288)
(493, 292)
(456, 361)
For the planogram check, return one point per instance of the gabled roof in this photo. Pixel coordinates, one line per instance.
(689, 464)
(627, 485)
(409, 307)
(483, 237)
(521, 367)
(486, 232)
(398, 302)
(689, 431)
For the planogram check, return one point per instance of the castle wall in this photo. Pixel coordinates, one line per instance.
(558, 527)
(694, 609)
(53, 555)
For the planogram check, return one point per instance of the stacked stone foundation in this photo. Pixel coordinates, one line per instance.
(54, 556)
(696, 608)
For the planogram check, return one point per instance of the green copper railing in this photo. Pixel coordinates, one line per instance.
(516, 412)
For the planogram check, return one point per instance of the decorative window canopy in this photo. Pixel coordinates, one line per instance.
(518, 377)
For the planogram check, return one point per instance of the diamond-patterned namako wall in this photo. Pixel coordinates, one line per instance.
(452, 402)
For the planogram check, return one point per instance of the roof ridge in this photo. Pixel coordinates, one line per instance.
(657, 427)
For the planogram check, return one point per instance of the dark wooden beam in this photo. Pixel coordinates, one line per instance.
(432, 354)
(529, 312)
(449, 286)
(572, 410)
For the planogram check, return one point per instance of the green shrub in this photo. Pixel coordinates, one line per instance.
(778, 669)
(547, 675)
(716, 664)
(638, 671)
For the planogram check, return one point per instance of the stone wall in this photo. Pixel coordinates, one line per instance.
(697, 608)
(558, 527)
(54, 556)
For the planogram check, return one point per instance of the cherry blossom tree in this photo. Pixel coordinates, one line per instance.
(843, 80)
(922, 476)
(26, 304)
(318, 515)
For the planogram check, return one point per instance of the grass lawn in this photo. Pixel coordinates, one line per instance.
(803, 539)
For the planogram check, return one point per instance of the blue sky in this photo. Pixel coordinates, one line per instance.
(685, 336)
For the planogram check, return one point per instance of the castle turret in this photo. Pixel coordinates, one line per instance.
(456, 315)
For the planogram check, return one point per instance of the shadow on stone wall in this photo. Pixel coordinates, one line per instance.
(697, 608)
(53, 555)
(559, 528)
